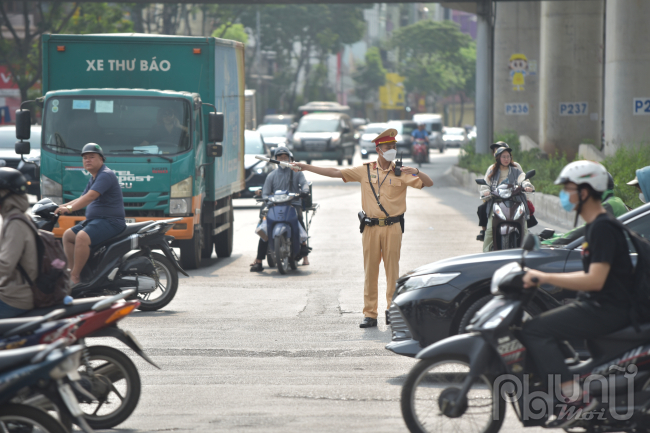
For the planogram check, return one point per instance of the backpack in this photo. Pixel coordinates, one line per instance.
(53, 281)
(639, 294)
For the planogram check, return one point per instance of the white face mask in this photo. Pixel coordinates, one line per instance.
(641, 197)
(390, 155)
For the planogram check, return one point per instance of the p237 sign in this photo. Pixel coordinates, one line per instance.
(641, 106)
(573, 108)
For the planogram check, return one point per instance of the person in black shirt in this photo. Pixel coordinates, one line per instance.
(167, 130)
(602, 304)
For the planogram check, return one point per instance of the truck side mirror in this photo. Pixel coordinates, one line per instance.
(215, 128)
(215, 150)
(22, 147)
(23, 124)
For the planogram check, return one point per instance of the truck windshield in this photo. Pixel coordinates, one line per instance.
(121, 126)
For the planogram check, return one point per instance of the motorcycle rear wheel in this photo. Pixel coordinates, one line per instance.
(431, 382)
(19, 417)
(111, 365)
(167, 284)
(270, 260)
(281, 256)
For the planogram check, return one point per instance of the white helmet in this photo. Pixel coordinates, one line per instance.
(584, 172)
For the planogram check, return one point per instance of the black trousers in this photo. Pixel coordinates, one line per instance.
(482, 214)
(576, 321)
(263, 246)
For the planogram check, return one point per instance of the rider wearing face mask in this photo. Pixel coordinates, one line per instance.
(382, 229)
(602, 305)
(642, 183)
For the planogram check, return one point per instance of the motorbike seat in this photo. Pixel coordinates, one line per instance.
(21, 357)
(78, 306)
(629, 334)
(130, 229)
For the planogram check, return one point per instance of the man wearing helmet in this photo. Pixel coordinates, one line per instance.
(17, 246)
(283, 178)
(602, 304)
(104, 205)
(422, 133)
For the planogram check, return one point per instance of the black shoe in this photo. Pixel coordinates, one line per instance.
(368, 322)
(257, 267)
(572, 412)
(387, 318)
(481, 236)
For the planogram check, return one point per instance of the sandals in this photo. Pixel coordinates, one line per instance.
(257, 267)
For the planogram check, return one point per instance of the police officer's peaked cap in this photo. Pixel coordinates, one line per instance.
(93, 148)
(388, 136)
(13, 181)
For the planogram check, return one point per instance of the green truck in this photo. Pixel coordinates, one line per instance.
(147, 101)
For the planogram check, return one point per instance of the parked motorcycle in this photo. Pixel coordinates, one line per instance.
(106, 373)
(126, 261)
(49, 370)
(283, 229)
(509, 212)
(462, 382)
(420, 151)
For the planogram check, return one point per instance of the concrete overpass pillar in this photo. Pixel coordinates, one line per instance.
(627, 66)
(516, 56)
(484, 67)
(571, 74)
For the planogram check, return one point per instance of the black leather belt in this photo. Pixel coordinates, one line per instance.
(382, 221)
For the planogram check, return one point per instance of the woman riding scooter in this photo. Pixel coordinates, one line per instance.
(504, 171)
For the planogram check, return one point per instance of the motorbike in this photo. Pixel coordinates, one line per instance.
(283, 229)
(509, 212)
(49, 370)
(420, 151)
(106, 373)
(125, 261)
(464, 381)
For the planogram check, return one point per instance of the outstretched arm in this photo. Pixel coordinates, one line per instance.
(323, 171)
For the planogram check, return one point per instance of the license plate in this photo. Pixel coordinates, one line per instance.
(70, 400)
(129, 220)
(135, 340)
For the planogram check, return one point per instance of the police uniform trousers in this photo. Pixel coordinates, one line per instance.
(380, 243)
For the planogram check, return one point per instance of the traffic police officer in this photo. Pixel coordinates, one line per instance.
(383, 200)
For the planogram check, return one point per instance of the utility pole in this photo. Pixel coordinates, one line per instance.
(484, 75)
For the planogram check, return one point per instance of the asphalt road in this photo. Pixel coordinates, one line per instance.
(247, 352)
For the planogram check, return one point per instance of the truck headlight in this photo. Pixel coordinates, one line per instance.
(415, 283)
(182, 188)
(179, 206)
(52, 190)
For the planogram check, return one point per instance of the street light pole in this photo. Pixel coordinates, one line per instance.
(484, 75)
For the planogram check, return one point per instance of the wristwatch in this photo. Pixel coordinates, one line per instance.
(69, 208)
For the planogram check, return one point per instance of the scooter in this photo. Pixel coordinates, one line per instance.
(125, 261)
(50, 370)
(509, 212)
(420, 151)
(464, 381)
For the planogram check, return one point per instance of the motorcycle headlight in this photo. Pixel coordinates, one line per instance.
(498, 212)
(180, 206)
(505, 193)
(500, 273)
(520, 211)
(419, 282)
(182, 188)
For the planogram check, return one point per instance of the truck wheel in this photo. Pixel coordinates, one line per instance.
(224, 240)
(349, 161)
(206, 251)
(191, 250)
(309, 161)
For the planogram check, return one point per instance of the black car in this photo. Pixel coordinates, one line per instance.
(438, 300)
(9, 158)
(255, 169)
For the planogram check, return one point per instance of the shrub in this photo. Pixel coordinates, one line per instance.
(623, 166)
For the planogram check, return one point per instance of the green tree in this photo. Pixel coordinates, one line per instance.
(369, 76)
(235, 32)
(436, 57)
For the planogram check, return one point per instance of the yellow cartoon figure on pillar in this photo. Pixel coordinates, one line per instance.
(518, 69)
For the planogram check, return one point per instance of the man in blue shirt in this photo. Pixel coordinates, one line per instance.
(104, 205)
(421, 133)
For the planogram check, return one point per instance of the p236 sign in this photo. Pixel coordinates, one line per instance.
(573, 108)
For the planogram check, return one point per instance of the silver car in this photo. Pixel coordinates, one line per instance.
(371, 132)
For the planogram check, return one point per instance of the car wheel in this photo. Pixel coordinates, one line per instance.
(471, 311)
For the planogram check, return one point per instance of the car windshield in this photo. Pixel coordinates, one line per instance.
(278, 120)
(273, 130)
(318, 125)
(455, 131)
(121, 126)
(8, 138)
(374, 129)
(403, 128)
(253, 144)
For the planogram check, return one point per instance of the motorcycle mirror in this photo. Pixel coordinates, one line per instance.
(530, 174)
(531, 243)
(480, 181)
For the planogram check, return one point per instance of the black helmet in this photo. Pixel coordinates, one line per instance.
(498, 144)
(93, 148)
(283, 150)
(500, 150)
(13, 180)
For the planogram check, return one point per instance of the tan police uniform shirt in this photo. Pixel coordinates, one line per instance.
(393, 188)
